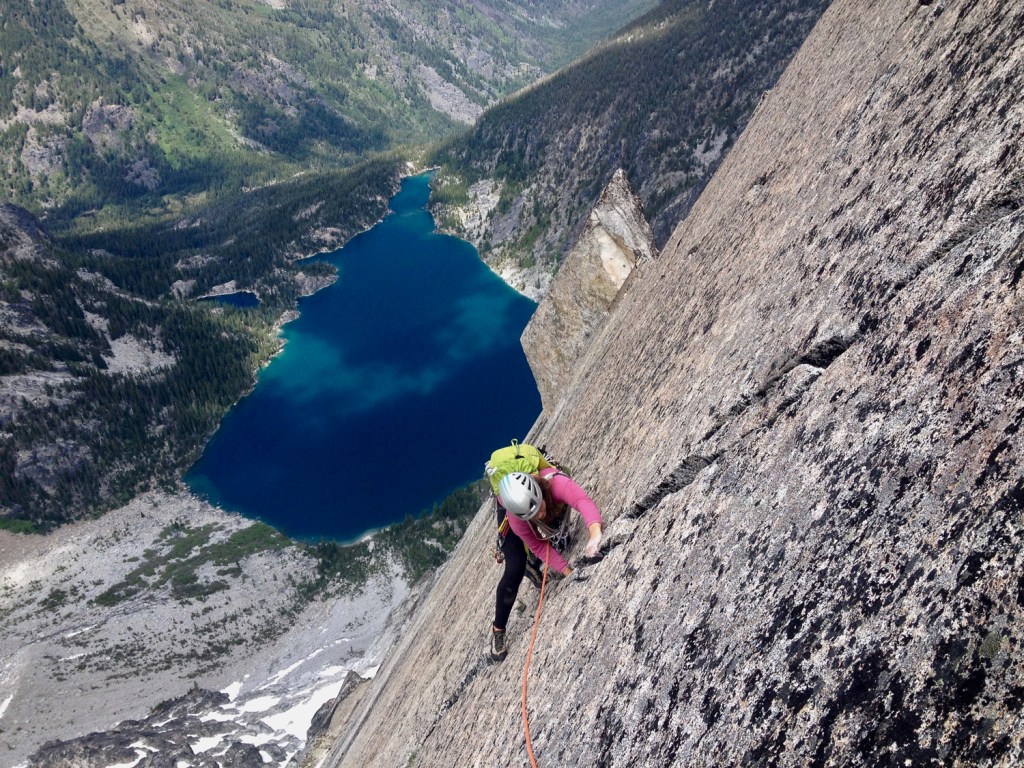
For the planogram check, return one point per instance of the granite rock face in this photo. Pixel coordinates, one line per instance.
(20, 234)
(803, 426)
(615, 240)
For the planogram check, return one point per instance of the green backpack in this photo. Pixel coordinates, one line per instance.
(517, 457)
(521, 457)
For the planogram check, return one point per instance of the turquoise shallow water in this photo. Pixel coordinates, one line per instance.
(393, 387)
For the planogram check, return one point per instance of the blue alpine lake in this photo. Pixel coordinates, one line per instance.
(393, 387)
(241, 299)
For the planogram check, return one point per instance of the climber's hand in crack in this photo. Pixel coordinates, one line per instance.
(570, 575)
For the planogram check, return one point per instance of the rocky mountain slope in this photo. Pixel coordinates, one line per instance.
(615, 242)
(145, 615)
(169, 632)
(664, 100)
(802, 422)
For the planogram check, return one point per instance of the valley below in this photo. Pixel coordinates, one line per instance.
(169, 598)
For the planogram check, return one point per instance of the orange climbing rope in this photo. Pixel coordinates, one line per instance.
(529, 653)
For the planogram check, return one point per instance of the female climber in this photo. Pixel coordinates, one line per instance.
(535, 506)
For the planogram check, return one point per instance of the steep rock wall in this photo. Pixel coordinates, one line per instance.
(803, 427)
(615, 240)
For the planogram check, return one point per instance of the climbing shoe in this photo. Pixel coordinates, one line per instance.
(533, 573)
(498, 649)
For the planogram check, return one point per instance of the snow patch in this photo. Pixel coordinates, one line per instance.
(83, 630)
(295, 721)
(332, 671)
(276, 677)
(206, 743)
(233, 690)
(261, 704)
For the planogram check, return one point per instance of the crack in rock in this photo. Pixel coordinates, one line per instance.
(677, 479)
(823, 354)
(448, 703)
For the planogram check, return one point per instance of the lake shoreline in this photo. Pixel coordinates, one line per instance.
(353, 377)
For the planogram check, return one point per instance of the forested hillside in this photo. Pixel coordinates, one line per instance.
(665, 100)
(110, 381)
(105, 101)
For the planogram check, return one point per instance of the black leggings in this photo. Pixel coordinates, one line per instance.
(515, 567)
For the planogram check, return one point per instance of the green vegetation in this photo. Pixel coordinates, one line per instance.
(124, 129)
(423, 543)
(18, 526)
(248, 239)
(419, 543)
(258, 537)
(100, 437)
(340, 567)
(664, 100)
(119, 432)
(183, 552)
(193, 562)
(54, 600)
(452, 191)
(136, 100)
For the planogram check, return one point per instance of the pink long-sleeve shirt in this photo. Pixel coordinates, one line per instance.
(565, 490)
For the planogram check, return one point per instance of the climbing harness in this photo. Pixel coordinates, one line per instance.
(529, 654)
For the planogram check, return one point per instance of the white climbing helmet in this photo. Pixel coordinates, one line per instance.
(520, 494)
